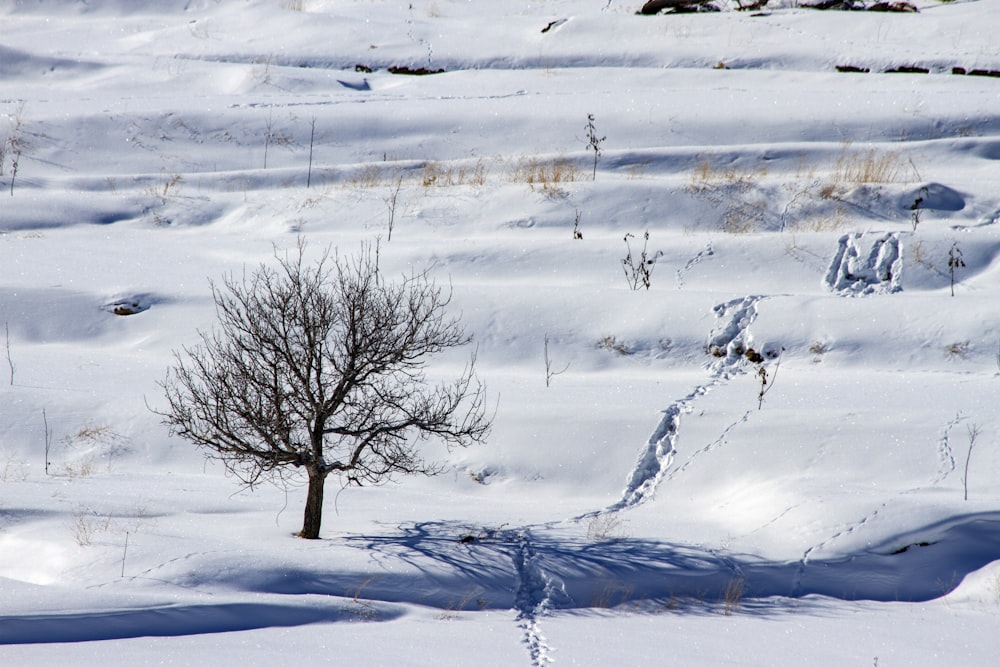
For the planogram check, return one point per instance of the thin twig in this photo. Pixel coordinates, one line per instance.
(549, 373)
(10, 363)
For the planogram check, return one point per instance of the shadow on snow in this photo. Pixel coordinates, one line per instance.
(531, 570)
(469, 569)
(170, 621)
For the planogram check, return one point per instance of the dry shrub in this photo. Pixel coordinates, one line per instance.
(87, 523)
(87, 446)
(606, 527)
(819, 348)
(957, 350)
(612, 344)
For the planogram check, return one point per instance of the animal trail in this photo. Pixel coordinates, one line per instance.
(728, 341)
(710, 446)
(535, 593)
(853, 272)
(708, 251)
(807, 555)
(655, 458)
(945, 453)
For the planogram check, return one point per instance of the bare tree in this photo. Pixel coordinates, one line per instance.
(321, 367)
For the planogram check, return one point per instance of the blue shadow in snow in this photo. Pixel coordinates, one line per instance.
(916, 566)
(169, 621)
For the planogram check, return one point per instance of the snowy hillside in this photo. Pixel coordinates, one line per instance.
(813, 195)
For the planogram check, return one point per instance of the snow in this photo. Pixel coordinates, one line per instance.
(646, 505)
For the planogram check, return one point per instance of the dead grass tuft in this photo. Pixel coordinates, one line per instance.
(611, 593)
(545, 176)
(865, 167)
(732, 597)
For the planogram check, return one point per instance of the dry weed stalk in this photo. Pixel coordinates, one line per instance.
(732, 597)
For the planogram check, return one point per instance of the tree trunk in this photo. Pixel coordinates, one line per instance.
(314, 506)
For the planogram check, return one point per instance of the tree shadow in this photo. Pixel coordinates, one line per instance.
(448, 558)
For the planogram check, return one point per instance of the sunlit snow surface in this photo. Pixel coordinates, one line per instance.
(643, 507)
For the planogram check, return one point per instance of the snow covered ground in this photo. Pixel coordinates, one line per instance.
(643, 507)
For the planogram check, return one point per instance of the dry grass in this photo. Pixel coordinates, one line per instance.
(169, 184)
(707, 177)
(611, 593)
(460, 604)
(368, 177)
(82, 468)
(435, 174)
(430, 174)
(545, 176)
(866, 167)
(744, 217)
(732, 597)
(870, 166)
(830, 222)
(733, 189)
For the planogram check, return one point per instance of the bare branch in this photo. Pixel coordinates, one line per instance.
(322, 366)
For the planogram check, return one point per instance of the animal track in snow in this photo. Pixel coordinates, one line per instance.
(702, 254)
(655, 459)
(730, 339)
(945, 452)
(727, 340)
(710, 446)
(854, 272)
(807, 555)
(535, 591)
